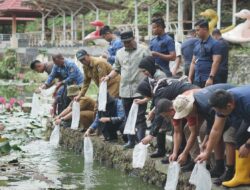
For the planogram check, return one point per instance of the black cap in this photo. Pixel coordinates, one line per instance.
(80, 54)
(127, 36)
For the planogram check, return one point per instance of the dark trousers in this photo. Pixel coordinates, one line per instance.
(62, 100)
(140, 122)
(109, 131)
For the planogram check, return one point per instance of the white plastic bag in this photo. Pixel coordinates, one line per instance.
(201, 177)
(36, 106)
(140, 155)
(173, 176)
(102, 98)
(75, 115)
(55, 136)
(88, 150)
(49, 91)
(131, 121)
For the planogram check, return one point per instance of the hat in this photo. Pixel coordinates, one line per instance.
(183, 105)
(127, 36)
(80, 54)
(73, 90)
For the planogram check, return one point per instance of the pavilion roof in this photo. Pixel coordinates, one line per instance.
(71, 5)
(15, 7)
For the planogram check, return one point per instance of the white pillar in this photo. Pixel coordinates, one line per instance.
(109, 18)
(83, 27)
(97, 14)
(149, 23)
(43, 27)
(180, 20)
(136, 22)
(219, 13)
(167, 15)
(234, 11)
(64, 28)
(72, 27)
(53, 30)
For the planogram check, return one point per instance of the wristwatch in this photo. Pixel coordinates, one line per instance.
(247, 145)
(211, 77)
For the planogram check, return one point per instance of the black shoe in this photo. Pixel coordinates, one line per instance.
(128, 146)
(157, 154)
(216, 172)
(226, 176)
(188, 166)
(165, 160)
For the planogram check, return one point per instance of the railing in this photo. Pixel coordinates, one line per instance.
(5, 37)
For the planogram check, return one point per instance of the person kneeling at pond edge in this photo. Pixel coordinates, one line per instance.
(110, 121)
(87, 105)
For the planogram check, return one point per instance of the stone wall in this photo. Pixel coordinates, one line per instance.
(239, 67)
(113, 155)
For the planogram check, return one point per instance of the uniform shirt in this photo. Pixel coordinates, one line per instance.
(114, 46)
(163, 44)
(202, 104)
(203, 52)
(187, 48)
(223, 67)
(127, 63)
(119, 113)
(69, 73)
(97, 69)
(241, 111)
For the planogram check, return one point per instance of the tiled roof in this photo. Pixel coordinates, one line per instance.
(13, 5)
(18, 19)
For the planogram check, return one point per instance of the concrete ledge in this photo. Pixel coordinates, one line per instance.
(113, 155)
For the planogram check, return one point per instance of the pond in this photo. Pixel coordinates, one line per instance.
(41, 166)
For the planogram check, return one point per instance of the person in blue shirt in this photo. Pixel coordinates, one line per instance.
(187, 48)
(206, 57)
(110, 121)
(115, 43)
(234, 104)
(69, 74)
(223, 67)
(162, 46)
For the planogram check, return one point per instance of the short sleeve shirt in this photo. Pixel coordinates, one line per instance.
(163, 44)
(187, 48)
(204, 52)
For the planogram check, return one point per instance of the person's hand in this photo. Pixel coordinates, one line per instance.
(38, 90)
(43, 86)
(172, 157)
(154, 53)
(106, 78)
(147, 139)
(58, 84)
(87, 133)
(244, 151)
(77, 98)
(203, 156)
(104, 119)
(182, 158)
(151, 115)
(209, 82)
(174, 72)
(139, 101)
(58, 121)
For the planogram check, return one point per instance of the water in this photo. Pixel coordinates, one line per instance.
(41, 166)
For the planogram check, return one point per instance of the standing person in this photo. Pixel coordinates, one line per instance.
(206, 57)
(223, 68)
(162, 46)
(187, 48)
(115, 43)
(127, 61)
(94, 69)
(176, 65)
(234, 104)
(69, 74)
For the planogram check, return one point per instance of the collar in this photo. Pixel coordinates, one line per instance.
(206, 40)
(161, 36)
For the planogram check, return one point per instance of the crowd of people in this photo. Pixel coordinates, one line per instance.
(203, 112)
